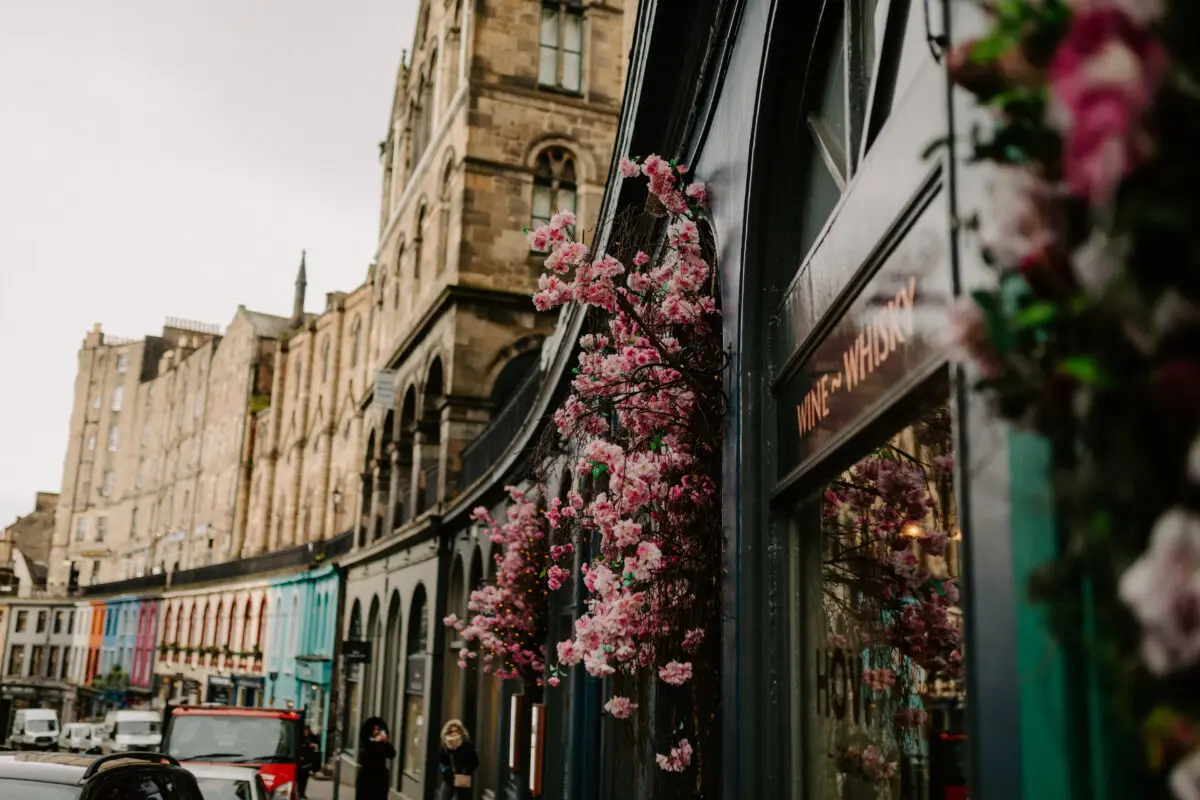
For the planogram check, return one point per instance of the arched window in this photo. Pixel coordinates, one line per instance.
(444, 202)
(554, 185)
(325, 359)
(383, 282)
(244, 644)
(560, 58)
(418, 239)
(398, 272)
(355, 340)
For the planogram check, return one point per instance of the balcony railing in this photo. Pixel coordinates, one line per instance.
(493, 441)
(128, 585)
(303, 555)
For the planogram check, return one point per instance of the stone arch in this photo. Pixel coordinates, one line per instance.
(398, 271)
(391, 655)
(370, 684)
(587, 170)
(512, 365)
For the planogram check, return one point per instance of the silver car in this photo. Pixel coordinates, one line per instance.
(228, 783)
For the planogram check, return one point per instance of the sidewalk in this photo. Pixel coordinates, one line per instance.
(323, 790)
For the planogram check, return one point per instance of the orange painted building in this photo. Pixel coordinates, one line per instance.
(95, 641)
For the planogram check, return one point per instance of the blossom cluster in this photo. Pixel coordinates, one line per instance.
(633, 416)
(507, 617)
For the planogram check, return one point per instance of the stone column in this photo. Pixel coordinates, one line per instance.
(394, 490)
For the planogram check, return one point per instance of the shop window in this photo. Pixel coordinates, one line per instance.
(881, 627)
(22, 622)
(37, 658)
(52, 663)
(560, 40)
(554, 185)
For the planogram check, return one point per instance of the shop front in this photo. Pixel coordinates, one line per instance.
(248, 690)
(219, 691)
(313, 675)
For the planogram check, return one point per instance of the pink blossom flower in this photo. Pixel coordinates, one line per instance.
(1184, 780)
(1141, 12)
(620, 707)
(1162, 588)
(679, 759)
(692, 639)
(553, 681)
(641, 259)
(1104, 76)
(629, 168)
(879, 680)
(676, 673)
(697, 193)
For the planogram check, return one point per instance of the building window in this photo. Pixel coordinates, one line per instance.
(22, 622)
(299, 376)
(122, 363)
(59, 618)
(80, 529)
(101, 528)
(355, 340)
(35, 660)
(141, 473)
(113, 434)
(66, 659)
(91, 443)
(554, 185)
(106, 487)
(96, 400)
(95, 572)
(71, 623)
(42, 619)
(560, 63)
(118, 396)
(325, 359)
(16, 660)
(133, 524)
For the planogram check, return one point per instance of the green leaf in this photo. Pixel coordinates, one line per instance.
(999, 333)
(1084, 369)
(1036, 315)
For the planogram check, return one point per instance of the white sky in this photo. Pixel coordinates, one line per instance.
(172, 158)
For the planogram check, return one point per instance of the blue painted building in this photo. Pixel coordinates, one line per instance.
(301, 632)
(120, 633)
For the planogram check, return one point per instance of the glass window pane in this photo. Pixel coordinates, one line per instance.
(549, 32)
(572, 74)
(548, 66)
(573, 33)
(885, 630)
(414, 734)
(542, 206)
(831, 105)
(566, 201)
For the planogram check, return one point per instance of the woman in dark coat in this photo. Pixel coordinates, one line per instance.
(374, 750)
(458, 761)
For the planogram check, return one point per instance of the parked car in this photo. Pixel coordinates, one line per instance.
(129, 730)
(79, 737)
(229, 783)
(265, 738)
(34, 729)
(59, 776)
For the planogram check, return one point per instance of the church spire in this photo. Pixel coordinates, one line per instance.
(301, 284)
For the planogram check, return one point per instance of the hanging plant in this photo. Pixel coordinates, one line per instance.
(1092, 336)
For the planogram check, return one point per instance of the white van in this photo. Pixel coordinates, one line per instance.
(79, 737)
(131, 730)
(34, 729)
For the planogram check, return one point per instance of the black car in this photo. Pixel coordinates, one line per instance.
(121, 776)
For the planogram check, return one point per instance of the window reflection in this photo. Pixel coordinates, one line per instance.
(888, 690)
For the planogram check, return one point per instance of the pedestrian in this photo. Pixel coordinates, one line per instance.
(374, 750)
(310, 759)
(458, 761)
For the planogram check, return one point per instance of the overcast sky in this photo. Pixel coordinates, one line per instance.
(172, 158)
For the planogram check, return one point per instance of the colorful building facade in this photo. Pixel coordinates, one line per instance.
(301, 636)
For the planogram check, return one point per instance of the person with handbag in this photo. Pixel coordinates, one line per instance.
(458, 761)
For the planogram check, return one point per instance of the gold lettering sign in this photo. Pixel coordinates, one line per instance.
(885, 331)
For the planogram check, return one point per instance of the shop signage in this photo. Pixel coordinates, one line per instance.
(890, 334)
(839, 686)
(356, 651)
(385, 389)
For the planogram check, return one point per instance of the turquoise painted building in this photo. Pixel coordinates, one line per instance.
(301, 632)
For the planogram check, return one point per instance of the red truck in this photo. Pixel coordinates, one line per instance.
(266, 738)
